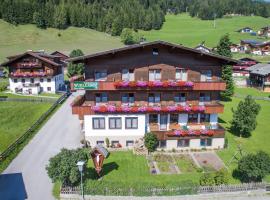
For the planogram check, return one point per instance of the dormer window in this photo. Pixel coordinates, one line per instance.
(155, 51)
(154, 75)
(181, 74)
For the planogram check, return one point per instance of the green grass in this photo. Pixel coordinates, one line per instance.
(16, 118)
(185, 164)
(56, 189)
(18, 39)
(251, 91)
(183, 29)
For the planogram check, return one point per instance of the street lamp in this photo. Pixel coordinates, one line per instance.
(80, 165)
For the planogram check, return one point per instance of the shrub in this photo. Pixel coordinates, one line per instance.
(3, 85)
(253, 167)
(107, 141)
(207, 179)
(129, 36)
(150, 141)
(221, 177)
(62, 167)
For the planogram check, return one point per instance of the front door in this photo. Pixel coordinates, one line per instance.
(163, 121)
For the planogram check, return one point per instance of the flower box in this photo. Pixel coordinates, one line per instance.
(152, 84)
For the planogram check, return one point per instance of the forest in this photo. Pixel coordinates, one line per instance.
(112, 16)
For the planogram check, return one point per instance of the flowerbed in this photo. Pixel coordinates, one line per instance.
(146, 109)
(153, 84)
(183, 133)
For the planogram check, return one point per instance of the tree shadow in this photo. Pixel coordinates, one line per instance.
(221, 121)
(90, 172)
(236, 132)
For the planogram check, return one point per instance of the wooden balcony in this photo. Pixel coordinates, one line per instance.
(214, 108)
(199, 86)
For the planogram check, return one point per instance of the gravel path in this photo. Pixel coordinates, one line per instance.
(62, 130)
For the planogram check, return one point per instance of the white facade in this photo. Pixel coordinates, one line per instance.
(125, 136)
(36, 85)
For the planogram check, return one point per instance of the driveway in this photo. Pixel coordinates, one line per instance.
(62, 130)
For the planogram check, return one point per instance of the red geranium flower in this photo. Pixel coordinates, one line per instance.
(181, 83)
(165, 84)
(117, 84)
(150, 109)
(134, 109)
(103, 109)
(118, 109)
(132, 84)
(151, 84)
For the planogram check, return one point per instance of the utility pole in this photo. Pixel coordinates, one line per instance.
(215, 20)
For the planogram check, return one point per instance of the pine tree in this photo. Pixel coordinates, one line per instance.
(226, 76)
(60, 17)
(244, 117)
(75, 69)
(223, 47)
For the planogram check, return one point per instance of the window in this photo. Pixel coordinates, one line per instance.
(129, 143)
(183, 143)
(41, 80)
(180, 97)
(193, 118)
(206, 75)
(205, 97)
(153, 118)
(128, 98)
(154, 98)
(23, 80)
(205, 117)
(115, 143)
(174, 119)
(162, 144)
(128, 74)
(101, 75)
(181, 74)
(154, 74)
(49, 88)
(49, 80)
(131, 122)
(100, 142)
(115, 123)
(15, 80)
(206, 142)
(155, 51)
(32, 80)
(98, 123)
(101, 97)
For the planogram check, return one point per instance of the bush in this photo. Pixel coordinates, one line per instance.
(129, 36)
(150, 141)
(63, 168)
(253, 167)
(75, 69)
(3, 84)
(207, 179)
(218, 178)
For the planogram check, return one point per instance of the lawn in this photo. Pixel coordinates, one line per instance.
(185, 164)
(17, 39)
(16, 118)
(251, 91)
(183, 29)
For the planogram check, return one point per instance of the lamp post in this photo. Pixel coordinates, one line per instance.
(80, 165)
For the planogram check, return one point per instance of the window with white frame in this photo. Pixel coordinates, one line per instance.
(98, 122)
(206, 75)
(128, 75)
(115, 123)
(101, 142)
(153, 118)
(180, 97)
(128, 98)
(100, 75)
(154, 98)
(129, 143)
(206, 142)
(131, 122)
(101, 98)
(183, 143)
(162, 144)
(181, 74)
(154, 74)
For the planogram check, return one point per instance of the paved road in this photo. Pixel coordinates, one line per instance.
(62, 130)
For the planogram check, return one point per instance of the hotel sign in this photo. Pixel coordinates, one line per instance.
(82, 85)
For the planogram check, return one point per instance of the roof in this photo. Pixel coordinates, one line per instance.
(202, 46)
(38, 55)
(101, 150)
(255, 43)
(248, 59)
(58, 52)
(260, 69)
(135, 46)
(244, 28)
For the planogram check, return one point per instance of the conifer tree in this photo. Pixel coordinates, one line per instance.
(223, 47)
(226, 76)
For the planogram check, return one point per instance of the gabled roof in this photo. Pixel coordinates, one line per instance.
(34, 54)
(135, 46)
(260, 69)
(58, 52)
(202, 46)
(248, 59)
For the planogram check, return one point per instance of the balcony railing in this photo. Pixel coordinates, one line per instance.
(29, 65)
(143, 85)
(29, 74)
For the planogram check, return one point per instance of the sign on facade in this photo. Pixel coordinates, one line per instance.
(81, 85)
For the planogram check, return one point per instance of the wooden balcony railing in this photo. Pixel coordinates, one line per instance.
(214, 86)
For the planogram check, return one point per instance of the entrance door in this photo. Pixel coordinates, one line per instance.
(163, 121)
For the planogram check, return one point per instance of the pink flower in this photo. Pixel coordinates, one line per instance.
(172, 83)
(201, 108)
(124, 83)
(111, 108)
(157, 83)
(156, 108)
(141, 83)
(177, 132)
(96, 108)
(126, 109)
(142, 109)
(189, 84)
(171, 108)
(187, 108)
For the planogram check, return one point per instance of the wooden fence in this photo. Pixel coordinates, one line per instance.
(253, 97)
(27, 133)
(144, 191)
(50, 100)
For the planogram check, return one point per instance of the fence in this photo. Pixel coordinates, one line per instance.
(253, 97)
(29, 99)
(27, 133)
(165, 191)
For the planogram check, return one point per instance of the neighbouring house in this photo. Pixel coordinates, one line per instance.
(260, 76)
(256, 47)
(170, 90)
(245, 30)
(240, 69)
(235, 48)
(203, 48)
(35, 72)
(63, 58)
(264, 32)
